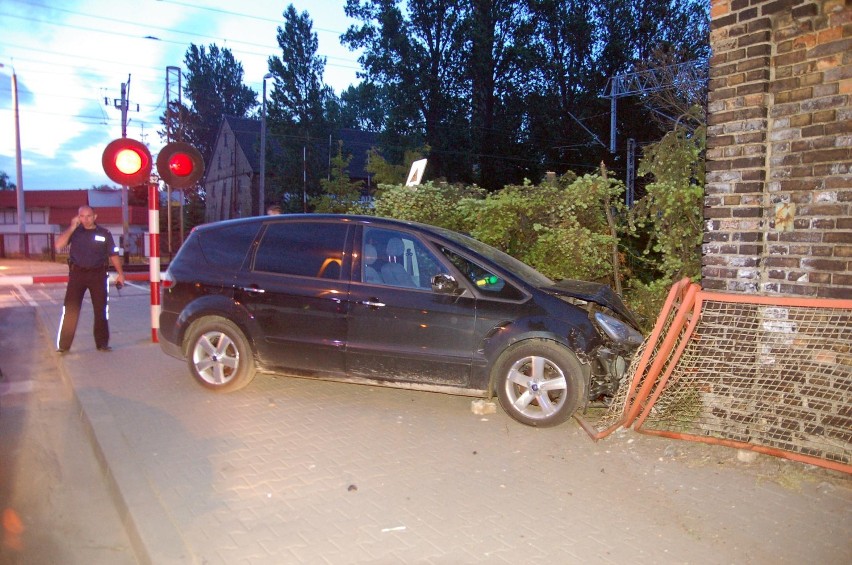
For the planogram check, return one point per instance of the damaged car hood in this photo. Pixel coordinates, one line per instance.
(593, 292)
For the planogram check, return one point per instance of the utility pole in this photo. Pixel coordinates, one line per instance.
(124, 104)
(174, 132)
(19, 173)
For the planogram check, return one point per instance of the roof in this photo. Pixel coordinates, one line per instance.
(247, 134)
(63, 205)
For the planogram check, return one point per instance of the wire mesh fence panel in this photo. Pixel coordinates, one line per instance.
(655, 354)
(773, 375)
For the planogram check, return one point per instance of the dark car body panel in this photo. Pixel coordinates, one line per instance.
(329, 322)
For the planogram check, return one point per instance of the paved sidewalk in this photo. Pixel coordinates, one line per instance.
(299, 471)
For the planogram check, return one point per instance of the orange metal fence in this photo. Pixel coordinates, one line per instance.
(769, 374)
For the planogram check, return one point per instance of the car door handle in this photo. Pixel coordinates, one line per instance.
(253, 289)
(371, 304)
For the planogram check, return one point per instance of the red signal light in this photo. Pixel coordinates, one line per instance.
(180, 164)
(127, 162)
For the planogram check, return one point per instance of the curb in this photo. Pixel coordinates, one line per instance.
(15, 280)
(153, 535)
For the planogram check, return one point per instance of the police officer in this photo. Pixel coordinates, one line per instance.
(91, 247)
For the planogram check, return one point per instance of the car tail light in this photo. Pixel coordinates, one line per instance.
(168, 281)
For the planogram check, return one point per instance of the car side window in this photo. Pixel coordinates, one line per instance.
(228, 246)
(484, 280)
(394, 258)
(306, 249)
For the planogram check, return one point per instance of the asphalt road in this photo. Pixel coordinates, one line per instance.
(55, 504)
(301, 471)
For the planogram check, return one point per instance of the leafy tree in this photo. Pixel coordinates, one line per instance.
(416, 57)
(300, 104)
(435, 204)
(6, 183)
(669, 218)
(213, 87)
(495, 79)
(361, 107)
(384, 172)
(339, 195)
(673, 206)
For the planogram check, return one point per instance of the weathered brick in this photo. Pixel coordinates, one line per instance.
(840, 292)
(842, 279)
(788, 135)
(770, 8)
(748, 163)
(753, 250)
(818, 278)
(838, 127)
(806, 11)
(758, 87)
(823, 224)
(782, 262)
(823, 264)
(724, 21)
(822, 251)
(813, 131)
(797, 290)
(790, 58)
(838, 237)
(830, 48)
(817, 104)
(747, 16)
(827, 155)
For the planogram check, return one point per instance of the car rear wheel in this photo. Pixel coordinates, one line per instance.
(219, 355)
(539, 383)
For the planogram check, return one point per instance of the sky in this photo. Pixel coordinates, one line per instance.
(70, 58)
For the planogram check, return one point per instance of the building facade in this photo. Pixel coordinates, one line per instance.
(778, 204)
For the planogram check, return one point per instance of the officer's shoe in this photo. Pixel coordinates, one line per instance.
(105, 348)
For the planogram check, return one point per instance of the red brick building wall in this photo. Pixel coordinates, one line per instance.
(778, 204)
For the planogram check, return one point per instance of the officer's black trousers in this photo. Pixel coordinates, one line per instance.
(79, 282)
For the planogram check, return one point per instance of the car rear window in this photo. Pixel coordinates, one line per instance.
(226, 246)
(307, 249)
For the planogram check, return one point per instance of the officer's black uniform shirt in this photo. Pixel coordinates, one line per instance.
(91, 249)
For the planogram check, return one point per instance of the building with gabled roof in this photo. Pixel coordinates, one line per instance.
(232, 176)
(48, 212)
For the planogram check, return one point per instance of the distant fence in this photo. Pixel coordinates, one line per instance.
(40, 246)
(35, 246)
(769, 374)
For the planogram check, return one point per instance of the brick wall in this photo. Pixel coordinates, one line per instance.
(778, 204)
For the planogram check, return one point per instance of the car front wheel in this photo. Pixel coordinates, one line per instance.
(219, 355)
(539, 383)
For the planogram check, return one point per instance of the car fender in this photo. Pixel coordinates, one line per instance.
(577, 334)
(215, 305)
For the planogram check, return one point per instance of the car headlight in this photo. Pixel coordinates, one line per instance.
(618, 331)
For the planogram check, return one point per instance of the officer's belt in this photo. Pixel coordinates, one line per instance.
(87, 269)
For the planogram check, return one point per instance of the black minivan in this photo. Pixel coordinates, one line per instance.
(381, 301)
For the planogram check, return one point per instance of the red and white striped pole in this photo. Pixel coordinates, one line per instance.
(154, 249)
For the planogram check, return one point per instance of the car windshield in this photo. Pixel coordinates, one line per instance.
(503, 260)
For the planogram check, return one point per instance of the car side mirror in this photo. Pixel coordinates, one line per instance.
(445, 284)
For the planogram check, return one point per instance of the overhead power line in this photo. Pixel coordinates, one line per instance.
(681, 76)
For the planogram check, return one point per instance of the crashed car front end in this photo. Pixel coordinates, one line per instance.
(609, 362)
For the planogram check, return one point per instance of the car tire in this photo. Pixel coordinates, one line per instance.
(539, 382)
(219, 355)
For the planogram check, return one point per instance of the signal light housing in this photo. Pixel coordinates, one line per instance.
(180, 164)
(127, 161)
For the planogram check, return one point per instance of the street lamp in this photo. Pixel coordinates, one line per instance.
(19, 180)
(261, 197)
